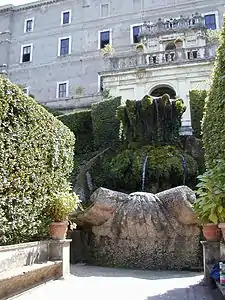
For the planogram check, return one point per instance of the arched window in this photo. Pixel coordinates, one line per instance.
(163, 89)
(170, 46)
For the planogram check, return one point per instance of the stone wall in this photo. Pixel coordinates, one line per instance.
(17, 256)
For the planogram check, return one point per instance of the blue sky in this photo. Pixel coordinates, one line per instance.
(15, 2)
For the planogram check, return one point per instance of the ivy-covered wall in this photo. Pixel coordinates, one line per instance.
(152, 121)
(213, 121)
(80, 123)
(197, 103)
(106, 126)
(166, 167)
(36, 158)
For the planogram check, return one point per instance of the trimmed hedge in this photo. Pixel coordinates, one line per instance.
(36, 159)
(197, 103)
(80, 123)
(213, 121)
(106, 126)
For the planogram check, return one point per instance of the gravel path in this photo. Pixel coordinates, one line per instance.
(97, 283)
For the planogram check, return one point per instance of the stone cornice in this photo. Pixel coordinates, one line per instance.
(35, 4)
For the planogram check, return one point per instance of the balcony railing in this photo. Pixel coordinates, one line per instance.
(154, 59)
(182, 23)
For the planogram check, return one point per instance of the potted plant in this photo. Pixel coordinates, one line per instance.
(59, 206)
(210, 203)
(107, 50)
(140, 47)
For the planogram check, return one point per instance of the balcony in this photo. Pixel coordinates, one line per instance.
(132, 60)
(181, 24)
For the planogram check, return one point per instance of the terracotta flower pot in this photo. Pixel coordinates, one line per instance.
(211, 232)
(222, 227)
(58, 230)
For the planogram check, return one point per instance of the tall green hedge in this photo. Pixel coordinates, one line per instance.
(80, 123)
(36, 158)
(214, 114)
(197, 103)
(106, 126)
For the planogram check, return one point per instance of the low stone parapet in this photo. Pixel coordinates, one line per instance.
(24, 266)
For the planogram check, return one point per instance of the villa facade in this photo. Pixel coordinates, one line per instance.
(53, 48)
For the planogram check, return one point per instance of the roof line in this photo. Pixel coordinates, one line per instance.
(38, 3)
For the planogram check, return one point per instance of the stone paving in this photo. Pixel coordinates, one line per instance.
(98, 283)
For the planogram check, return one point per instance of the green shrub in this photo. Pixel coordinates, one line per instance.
(164, 169)
(106, 126)
(80, 124)
(197, 103)
(36, 159)
(213, 120)
(210, 203)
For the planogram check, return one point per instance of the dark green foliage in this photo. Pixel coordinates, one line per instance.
(166, 167)
(213, 120)
(80, 123)
(151, 121)
(197, 103)
(106, 126)
(36, 159)
(53, 111)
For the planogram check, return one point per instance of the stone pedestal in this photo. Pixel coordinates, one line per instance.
(211, 255)
(59, 250)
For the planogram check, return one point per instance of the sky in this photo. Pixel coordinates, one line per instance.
(15, 2)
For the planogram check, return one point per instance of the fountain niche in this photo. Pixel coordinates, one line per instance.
(143, 216)
(150, 157)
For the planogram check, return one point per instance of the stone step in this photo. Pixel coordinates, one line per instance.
(18, 280)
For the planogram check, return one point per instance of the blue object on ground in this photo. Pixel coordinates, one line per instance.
(215, 272)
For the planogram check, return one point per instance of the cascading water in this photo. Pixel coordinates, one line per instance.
(157, 109)
(171, 109)
(184, 166)
(144, 173)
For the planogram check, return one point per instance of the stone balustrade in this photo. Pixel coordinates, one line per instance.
(182, 23)
(177, 56)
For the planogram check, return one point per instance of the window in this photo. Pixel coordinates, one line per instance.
(62, 89)
(26, 53)
(29, 25)
(64, 46)
(26, 91)
(192, 54)
(104, 38)
(104, 10)
(210, 21)
(134, 33)
(66, 17)
(100, 84)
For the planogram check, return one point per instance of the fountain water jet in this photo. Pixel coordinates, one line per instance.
(184, 166)
(143, 173)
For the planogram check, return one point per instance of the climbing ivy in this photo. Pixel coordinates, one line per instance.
(151, 121)
(166, 167)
